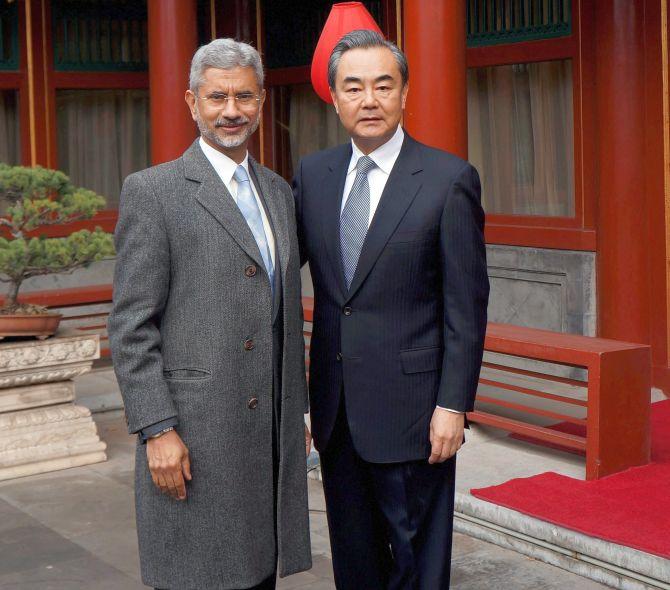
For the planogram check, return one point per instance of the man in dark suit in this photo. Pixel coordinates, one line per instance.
(393, 232)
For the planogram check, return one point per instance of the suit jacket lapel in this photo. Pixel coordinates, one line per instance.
(401, 187)
(333, 186)
(213, 195)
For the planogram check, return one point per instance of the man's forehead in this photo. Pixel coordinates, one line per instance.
(237, 72)
(227, 76)
(368, 63)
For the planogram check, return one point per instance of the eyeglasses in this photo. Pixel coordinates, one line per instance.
(219, 99)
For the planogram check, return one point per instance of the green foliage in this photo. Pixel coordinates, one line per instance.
(24, 258)
(38, 197)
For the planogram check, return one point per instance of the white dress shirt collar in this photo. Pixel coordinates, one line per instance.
(225, 167)
(384, 156)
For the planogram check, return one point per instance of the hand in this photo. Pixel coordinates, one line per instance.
(308, 440)
(446, 434)
(169, 464)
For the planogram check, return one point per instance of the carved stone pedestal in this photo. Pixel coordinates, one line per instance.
(41, 429)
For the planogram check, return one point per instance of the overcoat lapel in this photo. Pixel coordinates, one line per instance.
(213, 195)
(333, 186)
(275, 208)
(401, 187)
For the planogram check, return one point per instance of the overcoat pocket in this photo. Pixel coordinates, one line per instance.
(188, 374)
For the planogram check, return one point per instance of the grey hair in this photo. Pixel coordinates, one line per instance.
(224, 54)
(364, 39)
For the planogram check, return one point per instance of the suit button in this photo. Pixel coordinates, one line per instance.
(249, 344)
(253, 403)
(250, 270)
(338, 357)
(347, 310)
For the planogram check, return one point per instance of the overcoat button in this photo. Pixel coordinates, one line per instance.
(249, 344)
(339, 356)
(253, 403)
(347, 310)
(250, 270)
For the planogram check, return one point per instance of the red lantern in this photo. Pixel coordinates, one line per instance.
(343, 18)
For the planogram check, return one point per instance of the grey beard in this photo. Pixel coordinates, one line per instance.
(228, 142)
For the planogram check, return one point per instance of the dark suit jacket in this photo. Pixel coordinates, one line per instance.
(409, 333)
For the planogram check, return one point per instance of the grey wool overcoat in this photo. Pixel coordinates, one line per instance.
(189, 289)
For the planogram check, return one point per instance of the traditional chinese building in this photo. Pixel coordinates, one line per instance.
(563, 107)
(561, 104)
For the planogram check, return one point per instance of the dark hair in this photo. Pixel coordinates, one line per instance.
(364, 39)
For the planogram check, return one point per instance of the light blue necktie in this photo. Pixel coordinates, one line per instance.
(248, 205)
(354, 218)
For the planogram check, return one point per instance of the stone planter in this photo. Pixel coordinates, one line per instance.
(41, 429)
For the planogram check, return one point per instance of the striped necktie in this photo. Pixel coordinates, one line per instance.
(355, 217)
(248, 205)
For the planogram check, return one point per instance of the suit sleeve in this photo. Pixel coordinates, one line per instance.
(297, 196)
(141, 283)
(466, 291)
(149, 431)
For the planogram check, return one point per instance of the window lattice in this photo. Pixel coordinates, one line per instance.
(9, 43)
(100, 35)
(491, 22)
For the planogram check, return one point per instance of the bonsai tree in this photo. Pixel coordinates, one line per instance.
(33, 198)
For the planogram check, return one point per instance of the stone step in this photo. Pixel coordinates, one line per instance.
(615, 565)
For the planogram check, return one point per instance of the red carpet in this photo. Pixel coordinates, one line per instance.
(629, 508)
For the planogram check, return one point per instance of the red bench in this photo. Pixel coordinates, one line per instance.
(617, 434)
(614, 434)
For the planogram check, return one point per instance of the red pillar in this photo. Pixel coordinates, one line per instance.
(435, 44)
(623, 223)
(172, 43)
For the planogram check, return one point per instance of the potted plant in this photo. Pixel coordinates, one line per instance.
(31, 199)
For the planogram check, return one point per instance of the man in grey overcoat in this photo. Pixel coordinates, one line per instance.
(207, 343)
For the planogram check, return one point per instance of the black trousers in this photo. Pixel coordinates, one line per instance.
(390, 524)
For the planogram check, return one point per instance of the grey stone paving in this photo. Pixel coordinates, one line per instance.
(75, 530)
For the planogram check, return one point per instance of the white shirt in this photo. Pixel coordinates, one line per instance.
(384, 157)
(225, 167)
